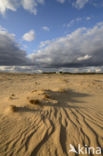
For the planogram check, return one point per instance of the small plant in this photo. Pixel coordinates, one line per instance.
(34, 101)
(34, 91)
(12, 94)
(46, 96)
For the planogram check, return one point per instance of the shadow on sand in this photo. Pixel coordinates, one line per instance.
(26, 109)
(64, 98)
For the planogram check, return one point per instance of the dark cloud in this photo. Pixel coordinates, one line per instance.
(81, 48)
(10, 51)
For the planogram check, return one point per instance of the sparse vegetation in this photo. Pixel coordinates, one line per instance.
(34, 91)
(12, 94)
(34, 101)
(10, 97)
(46, 96)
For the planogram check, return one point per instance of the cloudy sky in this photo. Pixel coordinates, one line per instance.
(51, 34)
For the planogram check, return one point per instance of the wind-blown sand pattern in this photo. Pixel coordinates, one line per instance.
(41, 115)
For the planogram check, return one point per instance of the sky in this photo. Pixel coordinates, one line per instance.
(56, 35)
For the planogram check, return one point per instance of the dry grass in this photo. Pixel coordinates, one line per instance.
(46, 96)
(34, 101)
(33, 91)
(12, 94)
(11, 98)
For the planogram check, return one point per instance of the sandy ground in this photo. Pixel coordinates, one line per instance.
(41, 115)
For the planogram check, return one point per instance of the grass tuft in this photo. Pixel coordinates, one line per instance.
(34, 101)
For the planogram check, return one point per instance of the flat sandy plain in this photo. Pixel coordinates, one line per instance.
(42, 114)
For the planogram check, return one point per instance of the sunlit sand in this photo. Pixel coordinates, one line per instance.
(42, 114)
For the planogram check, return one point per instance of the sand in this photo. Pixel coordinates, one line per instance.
(42, 114)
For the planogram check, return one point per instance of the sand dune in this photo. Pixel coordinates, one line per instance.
(42, 115)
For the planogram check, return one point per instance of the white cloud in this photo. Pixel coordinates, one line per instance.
(83, 47)
(86, 57)
(88, 18)
(73, 21)
(97, 70)
(77, 20)
(29, 36)
(41, 1)
(80, 3)
(46, 28)
(44, 43)
(61, 1)
(8, 5)
(26, 69)
(32, 69)
(29, 5)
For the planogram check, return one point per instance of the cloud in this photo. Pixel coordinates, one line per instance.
(29, 36)
(8, 5)
(77, 20)
(46, 28)
(26, 69)
(31, 5)
(72, 22)
(44, 43)
(82, 70)
(32, 69)
(98, 70)
(86, 57)
(88, 18)
(81, 48)
(79, 3)
(10, 51)
(13, 5)
(61, 1)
